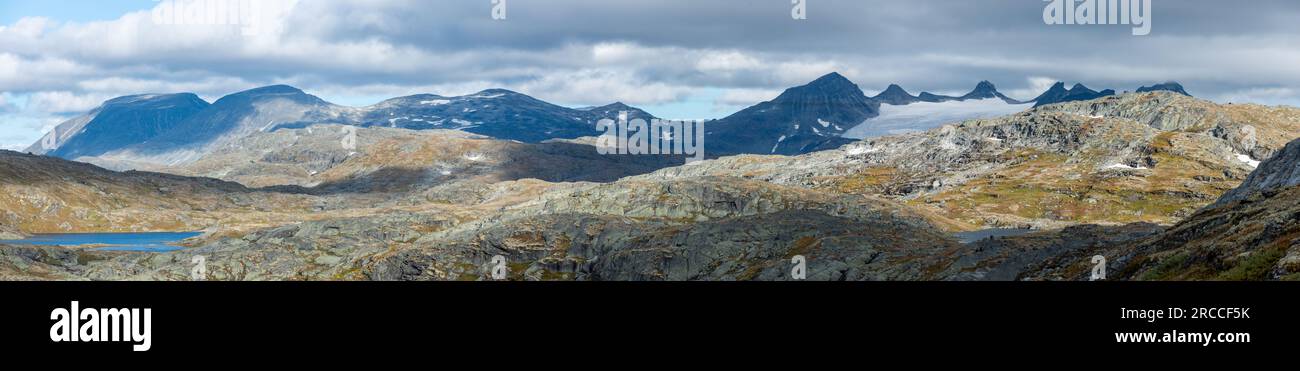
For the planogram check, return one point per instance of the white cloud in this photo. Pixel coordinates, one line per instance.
(733, 98)
(53, 102)
(590, 87)
(17, 132)
(728, 61)
(1267, 96)
(1037, 85)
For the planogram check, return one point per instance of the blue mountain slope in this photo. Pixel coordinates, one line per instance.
(497, 113)
(1059, 94)
(244, 113)
(801, 120)
(121, 122)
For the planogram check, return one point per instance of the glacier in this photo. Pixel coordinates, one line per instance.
(922, 116)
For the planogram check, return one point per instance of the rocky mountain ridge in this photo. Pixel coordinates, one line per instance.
(154, 131)
(1151, 157)
(874, 210)
(149, 130)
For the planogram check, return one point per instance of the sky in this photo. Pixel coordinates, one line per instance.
(675, 58)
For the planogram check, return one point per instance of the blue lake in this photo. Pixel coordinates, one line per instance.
(144, 242)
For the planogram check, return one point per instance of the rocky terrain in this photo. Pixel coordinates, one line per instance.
(633, 229)
(1151, 157)
(47, 195)
(10, 233)
(1162, 184)
(1252, 233)
(346, 159)
(1279, 172)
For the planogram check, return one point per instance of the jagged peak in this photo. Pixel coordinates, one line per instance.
(983, 90)
(894, 89)
(831, 82)
(831, 77)
(895, 95)
(615, 105)
(1080, 87)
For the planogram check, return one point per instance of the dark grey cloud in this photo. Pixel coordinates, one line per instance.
(657, 51)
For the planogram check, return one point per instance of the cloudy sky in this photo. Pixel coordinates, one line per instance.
(677, 59)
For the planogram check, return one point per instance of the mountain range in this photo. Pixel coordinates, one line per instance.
(1164, 185)
(148, 130)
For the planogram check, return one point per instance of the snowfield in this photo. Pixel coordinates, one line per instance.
(922, 116)
(1246, 159)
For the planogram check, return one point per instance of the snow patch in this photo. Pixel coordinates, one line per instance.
(778, 143)
(1124, 167)
(855, 151)
(1248, 160)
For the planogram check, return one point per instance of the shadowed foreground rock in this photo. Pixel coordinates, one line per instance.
(699, 229)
